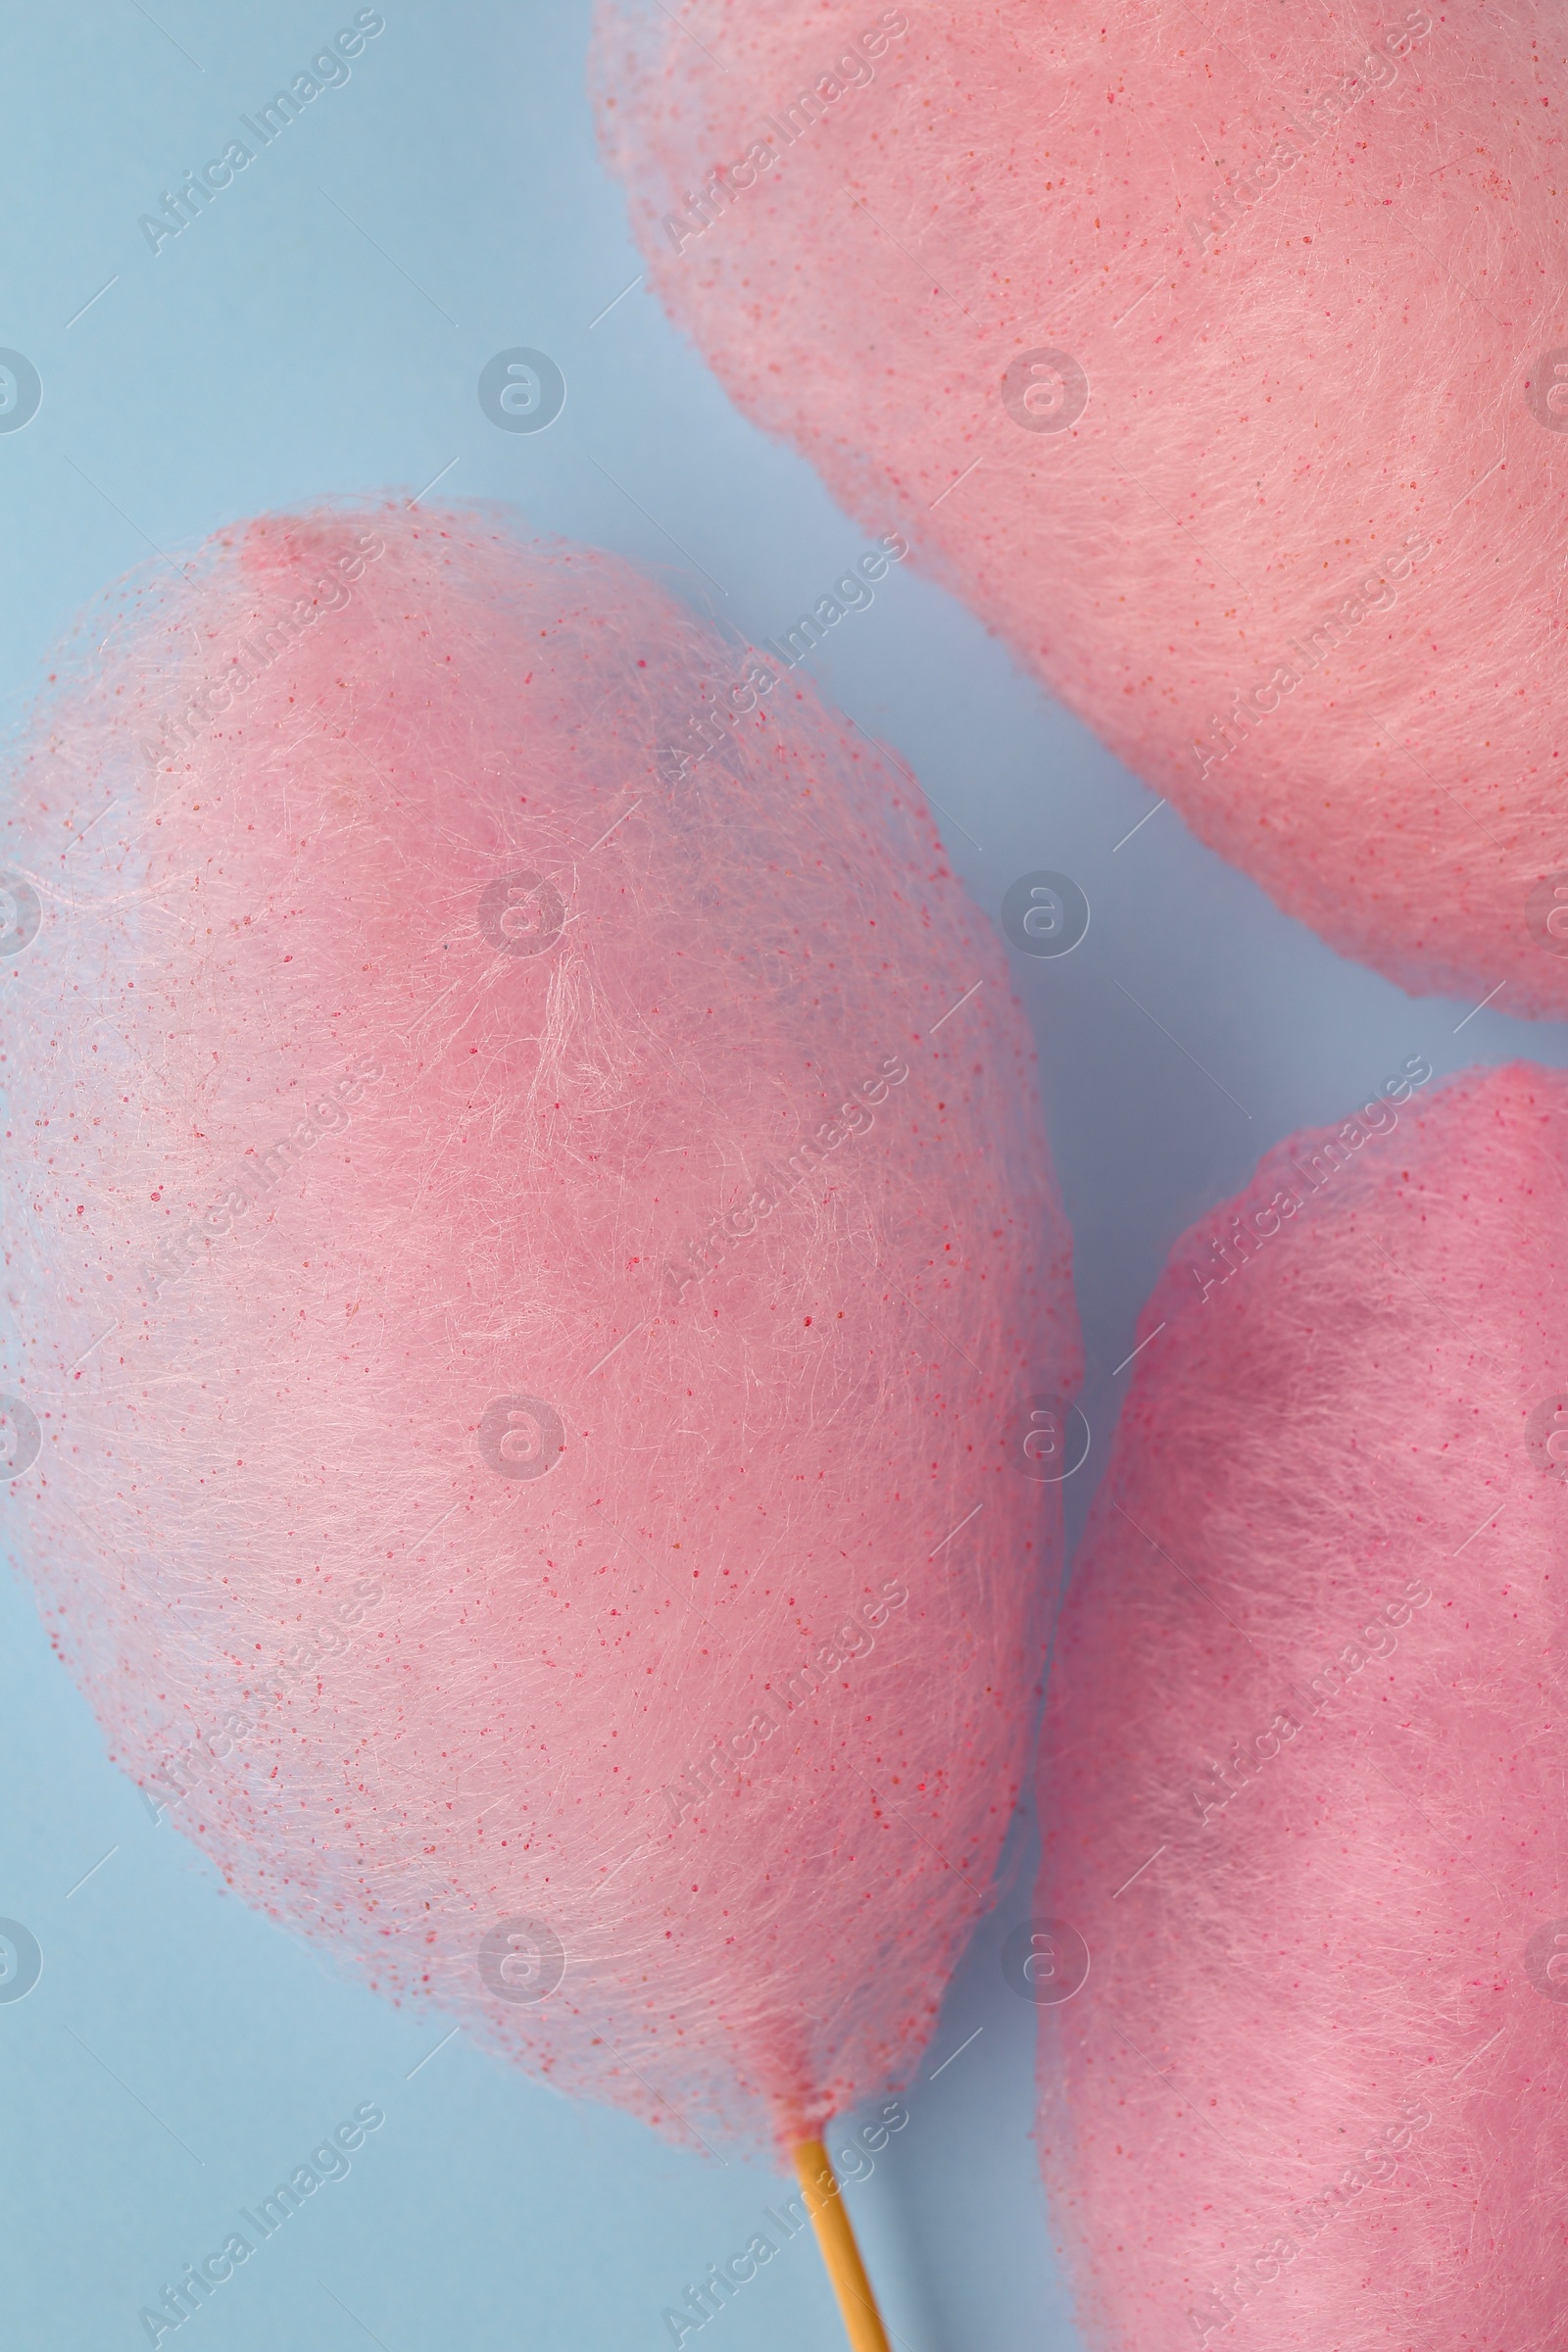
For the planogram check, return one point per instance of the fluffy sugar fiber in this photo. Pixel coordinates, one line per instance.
(1304, 1766)
(520, 1267)
(1212, 357)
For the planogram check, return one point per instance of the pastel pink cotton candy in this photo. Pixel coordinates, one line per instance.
(524, 1266)
(1212, 356)
(1304, 1767)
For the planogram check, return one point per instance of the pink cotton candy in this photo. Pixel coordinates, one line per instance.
(1303, 1763)
(1215, 356)
(523, 1261)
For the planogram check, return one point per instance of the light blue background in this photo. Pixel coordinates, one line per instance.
(320, 330)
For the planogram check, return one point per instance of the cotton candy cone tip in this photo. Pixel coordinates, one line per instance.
(1303, 1758)
(1216, 363)
(527, 1265)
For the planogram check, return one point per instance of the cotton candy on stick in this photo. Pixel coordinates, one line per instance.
(1216, 358)
(526, 1264)
(1303, 1759)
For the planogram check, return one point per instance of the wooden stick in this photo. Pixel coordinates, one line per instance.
(824, 2202)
